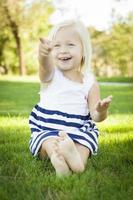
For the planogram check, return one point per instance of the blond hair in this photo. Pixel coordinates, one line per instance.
(84, 37)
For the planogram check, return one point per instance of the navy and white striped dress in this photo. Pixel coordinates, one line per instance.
(63, 106)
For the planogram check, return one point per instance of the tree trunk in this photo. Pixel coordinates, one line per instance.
(22, 68)
(15, 31)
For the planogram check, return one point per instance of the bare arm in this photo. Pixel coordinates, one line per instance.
(45, 60)
(98, 108)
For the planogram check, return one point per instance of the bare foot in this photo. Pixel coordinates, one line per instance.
(69, 151)
(59, 164)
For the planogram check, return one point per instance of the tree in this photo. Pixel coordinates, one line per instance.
(120, 46)
(114, 48)
(17, 17)
(11, 12)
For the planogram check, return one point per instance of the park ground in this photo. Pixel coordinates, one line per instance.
(108, 176)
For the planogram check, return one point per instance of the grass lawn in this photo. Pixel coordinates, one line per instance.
(116, 79)
(109, 175)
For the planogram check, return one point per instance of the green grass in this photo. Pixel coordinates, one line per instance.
(116, 79)
(108, 175)
(17, 98)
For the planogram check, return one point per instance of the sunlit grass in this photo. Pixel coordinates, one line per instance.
(116, 79)
(17, 78)
(113, 122)
(108, 175)
(109, 171)
(34, 78)
(117, 123)
(13, 122)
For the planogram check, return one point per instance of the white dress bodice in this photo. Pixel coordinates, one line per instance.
(65, 95)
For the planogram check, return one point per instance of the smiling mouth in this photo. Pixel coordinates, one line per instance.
(65, 58)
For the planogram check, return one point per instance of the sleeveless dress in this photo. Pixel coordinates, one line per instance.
(63, 106)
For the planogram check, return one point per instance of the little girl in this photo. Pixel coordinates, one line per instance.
(62, 126)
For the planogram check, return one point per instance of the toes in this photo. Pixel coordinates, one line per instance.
(55, 144)
(60, 139)
(55, 147)
(63, 134)
(56, 154)
(60, 157)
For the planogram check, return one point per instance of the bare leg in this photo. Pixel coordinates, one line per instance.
(50, 148)
(84, 152)
(69, 151)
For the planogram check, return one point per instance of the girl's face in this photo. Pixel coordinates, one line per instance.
(67, 49)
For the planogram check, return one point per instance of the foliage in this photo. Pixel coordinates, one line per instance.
(22, 24)
(114, 48)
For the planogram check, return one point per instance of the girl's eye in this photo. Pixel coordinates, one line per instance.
(56, 45)
(71, 44)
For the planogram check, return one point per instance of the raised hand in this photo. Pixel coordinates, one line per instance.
(45, 48)
(103, 104)
(45, 60)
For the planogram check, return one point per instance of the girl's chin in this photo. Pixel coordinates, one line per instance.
(65, 67)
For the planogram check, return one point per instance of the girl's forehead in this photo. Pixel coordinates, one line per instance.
(68, 32)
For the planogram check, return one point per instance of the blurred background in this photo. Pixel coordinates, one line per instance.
(110, 23)
(110, 174)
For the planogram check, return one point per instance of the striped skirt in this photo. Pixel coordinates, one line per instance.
(46, 124)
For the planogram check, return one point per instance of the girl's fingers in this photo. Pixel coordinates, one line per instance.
(44, 43)
(107, 99)
(43, 51)
(105, 102)
(98, 104)
(110, 97)
(41, 40)
(44, 46)
(42, 54)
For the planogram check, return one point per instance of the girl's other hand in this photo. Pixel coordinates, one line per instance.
(103, 104)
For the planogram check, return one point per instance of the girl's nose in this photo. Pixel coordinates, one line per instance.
(63, 49)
